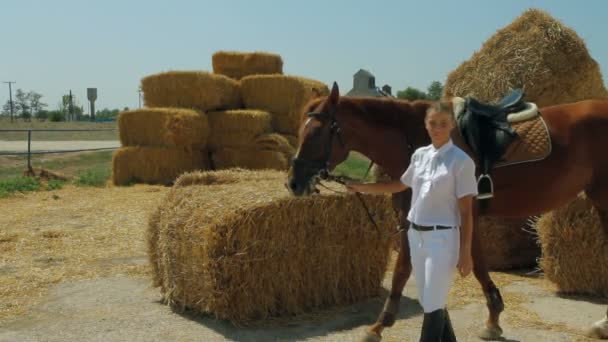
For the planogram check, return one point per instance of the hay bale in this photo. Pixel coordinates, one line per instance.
(575, 248)
(155, 165)
(249, 158)
(245, 251)
(292, 139)
(240, 64)
(191, 89)
(537, 53)
(275, 142)
(283, 96)
(237, 128)
(163, 127)
(508, 243)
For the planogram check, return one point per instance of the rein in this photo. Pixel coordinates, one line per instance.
(322, 166)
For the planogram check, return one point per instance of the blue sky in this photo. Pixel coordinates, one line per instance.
(54, 46)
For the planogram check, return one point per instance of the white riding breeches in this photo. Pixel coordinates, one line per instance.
(434, 258)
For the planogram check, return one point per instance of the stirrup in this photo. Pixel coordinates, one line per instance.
(482, 187)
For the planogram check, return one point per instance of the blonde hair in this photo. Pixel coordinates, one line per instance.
(441, 107)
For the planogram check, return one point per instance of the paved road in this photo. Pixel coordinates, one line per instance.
(21, 146)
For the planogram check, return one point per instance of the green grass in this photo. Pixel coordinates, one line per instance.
(353, 167)
(18, 184)
(70, 164)
(93, 177)
(61, 136)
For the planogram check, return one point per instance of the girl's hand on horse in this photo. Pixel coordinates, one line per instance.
(465, 264)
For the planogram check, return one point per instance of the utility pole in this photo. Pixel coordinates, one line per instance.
(139, 91)
(10, 96)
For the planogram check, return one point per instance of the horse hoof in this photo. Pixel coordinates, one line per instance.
(491, 334)
(371, 337)
(389, 312)
(599, 329)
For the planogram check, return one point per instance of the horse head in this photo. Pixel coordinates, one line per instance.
(321, 144)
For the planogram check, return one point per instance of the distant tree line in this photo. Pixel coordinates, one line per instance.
(433, 92)
(29, 104)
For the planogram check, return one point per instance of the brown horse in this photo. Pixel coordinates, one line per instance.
(388, 131)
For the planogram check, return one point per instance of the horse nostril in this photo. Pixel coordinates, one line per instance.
(293, 184)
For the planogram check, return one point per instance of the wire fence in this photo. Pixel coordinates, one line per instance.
(29, 151)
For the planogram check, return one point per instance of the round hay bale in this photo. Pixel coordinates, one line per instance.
(155, 165)
(245, 250)
(537, 53)
(163, 127)
(240, 64)
(292, 139)
(575, 248)
(508, 243)
(191, 89)
(237, 128)
(283, 96)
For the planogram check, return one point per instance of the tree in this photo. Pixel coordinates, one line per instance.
(411, 94)
(35, 104)
(434, 91)
(22, 104)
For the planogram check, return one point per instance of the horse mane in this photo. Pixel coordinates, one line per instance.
(385, 112)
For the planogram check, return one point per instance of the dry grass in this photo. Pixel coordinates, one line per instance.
(155, 165)
(240, 64)
(283, 96)
(537, 53)
(213, 246)
(191, 89)
(70, 234)
(163, 127)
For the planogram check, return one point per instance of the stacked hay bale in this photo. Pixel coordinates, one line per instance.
(273, 100)
(575, 248)
(536, 53)
(233, 243)
(551, 63)
(159, 143)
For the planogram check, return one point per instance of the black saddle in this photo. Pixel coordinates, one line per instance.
(486, 130)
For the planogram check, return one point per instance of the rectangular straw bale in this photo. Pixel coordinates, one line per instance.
(191, 89)
(237, 128)
(508, 243)
(275, 142)
(249, 158)
(246, 251)
(155, 165)
(574, 248)
(240, 64)
(537, 53)
(163, 127)
(283, 96)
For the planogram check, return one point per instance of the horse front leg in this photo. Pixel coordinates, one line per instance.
(403, 269)
(492, 330)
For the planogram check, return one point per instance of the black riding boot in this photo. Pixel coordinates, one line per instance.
(448, 331)
(433, 326)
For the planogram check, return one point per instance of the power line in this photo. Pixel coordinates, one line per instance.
(10, 96)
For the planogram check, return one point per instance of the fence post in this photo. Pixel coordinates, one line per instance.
(29, 152)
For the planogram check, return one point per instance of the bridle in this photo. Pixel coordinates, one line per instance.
(321, 167)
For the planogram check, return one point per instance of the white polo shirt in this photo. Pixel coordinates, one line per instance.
(438, 178)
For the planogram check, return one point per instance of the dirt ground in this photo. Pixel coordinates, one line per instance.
(73, 267)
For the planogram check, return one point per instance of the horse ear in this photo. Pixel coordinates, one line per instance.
(334, 96)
